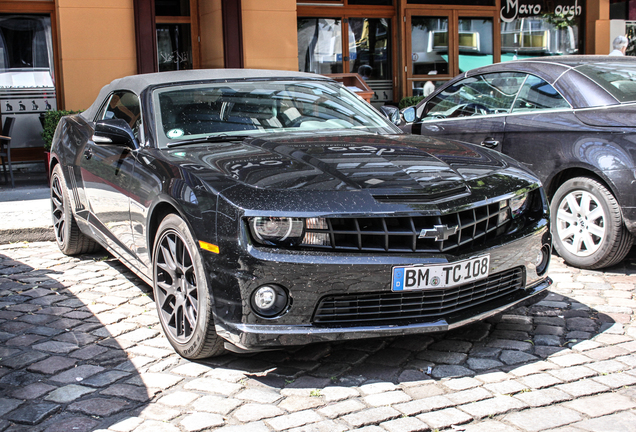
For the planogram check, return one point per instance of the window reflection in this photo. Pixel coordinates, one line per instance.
(536, 94)
(320, 45)
(429, 45)
(476, 96)
(369, 52)
(549, 34)
(174, 46)
(475, 43)
(25, 42)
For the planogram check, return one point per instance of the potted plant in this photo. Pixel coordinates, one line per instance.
(49, 121)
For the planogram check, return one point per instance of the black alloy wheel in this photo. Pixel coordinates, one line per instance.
(68, 236)
(181, 292)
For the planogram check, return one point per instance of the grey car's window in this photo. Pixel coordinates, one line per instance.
(536, 94)
(619, 78)
(124, 105)
(475, 96)
(255, 108)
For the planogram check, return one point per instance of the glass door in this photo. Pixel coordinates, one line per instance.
(333, 45)
(176, 28)
(443, 42)
(320, 45)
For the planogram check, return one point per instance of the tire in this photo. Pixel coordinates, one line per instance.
(587, 225)
(181, 292)
(68, 236)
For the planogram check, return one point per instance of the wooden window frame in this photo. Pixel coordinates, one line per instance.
(454, 13)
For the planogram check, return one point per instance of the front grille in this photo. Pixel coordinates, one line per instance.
(414, 306)
(401, 234)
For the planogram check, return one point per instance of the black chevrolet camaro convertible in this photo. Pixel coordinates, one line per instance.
(271, 209)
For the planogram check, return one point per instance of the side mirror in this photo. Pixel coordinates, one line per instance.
(409, 114)
(114, 132)
(392, 113)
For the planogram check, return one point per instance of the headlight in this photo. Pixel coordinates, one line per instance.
(269, 230)
(519, 205)
(275, 231)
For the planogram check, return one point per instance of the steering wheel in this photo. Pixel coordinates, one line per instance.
(470, 109)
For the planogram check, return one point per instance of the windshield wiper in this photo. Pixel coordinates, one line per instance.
(210, 139)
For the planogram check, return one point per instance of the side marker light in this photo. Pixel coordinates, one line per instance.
(209, 247)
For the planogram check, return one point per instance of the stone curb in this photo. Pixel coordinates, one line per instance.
(33, 234)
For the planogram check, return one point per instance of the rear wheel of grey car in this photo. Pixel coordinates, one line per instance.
(70, 239)
(181, 292)
(587, 225)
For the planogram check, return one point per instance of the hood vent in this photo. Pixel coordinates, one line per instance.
(421, 198)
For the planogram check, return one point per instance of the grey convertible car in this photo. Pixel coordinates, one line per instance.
(570, 119)
(271, 209)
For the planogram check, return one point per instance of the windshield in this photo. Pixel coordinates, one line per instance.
(259, 107)
(619, 79)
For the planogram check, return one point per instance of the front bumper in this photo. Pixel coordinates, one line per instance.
(310, 277)
(251, 337)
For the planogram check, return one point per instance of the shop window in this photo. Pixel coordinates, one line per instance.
(369, 55)
(174, 47)
(425, 88)
(174, 33)
(544, 29)
(25, 42)
(429, 45)
(475, 43)
(320, 45)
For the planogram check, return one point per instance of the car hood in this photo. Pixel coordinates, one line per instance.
(381, 163)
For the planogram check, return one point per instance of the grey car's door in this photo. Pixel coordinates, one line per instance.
(540, 127)
(472, 110)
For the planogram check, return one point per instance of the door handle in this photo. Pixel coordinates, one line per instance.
(88, 153)
(490, 143)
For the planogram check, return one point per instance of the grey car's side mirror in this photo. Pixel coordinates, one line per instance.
(114, 132)
(409, 114)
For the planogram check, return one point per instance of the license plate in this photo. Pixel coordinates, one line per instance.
(434, 276)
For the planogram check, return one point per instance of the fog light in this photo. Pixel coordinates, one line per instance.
(269, 300)
(542, 265)
(265, 298)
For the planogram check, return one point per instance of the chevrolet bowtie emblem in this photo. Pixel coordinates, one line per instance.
(439, 232)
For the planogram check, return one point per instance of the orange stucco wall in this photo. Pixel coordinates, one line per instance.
(597, 25)
(97, 45)
(211, 30)
(269, 34)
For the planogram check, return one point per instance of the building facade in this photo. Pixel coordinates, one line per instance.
(400, 47)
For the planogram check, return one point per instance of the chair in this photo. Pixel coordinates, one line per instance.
(5, 147)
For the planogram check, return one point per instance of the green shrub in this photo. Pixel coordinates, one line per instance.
(51, 119)
(409, 101)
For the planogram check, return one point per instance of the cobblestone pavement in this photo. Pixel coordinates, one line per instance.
(81, 349)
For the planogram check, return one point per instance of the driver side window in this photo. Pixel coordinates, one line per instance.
(476, 96)
(125, 105)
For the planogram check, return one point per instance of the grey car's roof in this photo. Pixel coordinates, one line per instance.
(550, 66)
(138, 83)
